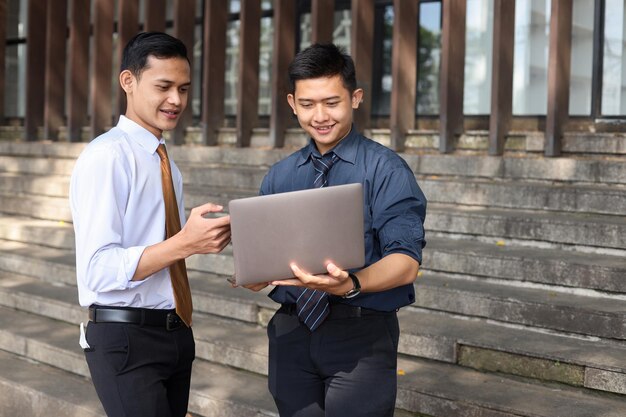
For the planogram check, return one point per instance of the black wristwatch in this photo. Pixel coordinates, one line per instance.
(356, 290)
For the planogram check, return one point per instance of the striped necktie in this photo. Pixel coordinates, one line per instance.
(178, 270)
(312, 306)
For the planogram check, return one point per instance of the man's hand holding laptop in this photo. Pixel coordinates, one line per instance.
(336, 282)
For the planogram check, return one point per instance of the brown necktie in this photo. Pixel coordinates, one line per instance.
(178, 270)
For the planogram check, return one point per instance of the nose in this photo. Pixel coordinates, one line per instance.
(175, 98)
(320, 114)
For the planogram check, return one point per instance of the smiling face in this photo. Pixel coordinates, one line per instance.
(157, 97)
(324, 109)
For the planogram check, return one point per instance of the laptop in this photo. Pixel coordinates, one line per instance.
(308, 227)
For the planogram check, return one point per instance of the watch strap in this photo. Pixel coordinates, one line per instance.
(356, 289)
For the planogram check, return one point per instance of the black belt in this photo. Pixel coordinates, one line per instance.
(342, 311)
(142, 316)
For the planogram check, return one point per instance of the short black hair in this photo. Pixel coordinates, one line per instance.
(145, 44)
(322, 60)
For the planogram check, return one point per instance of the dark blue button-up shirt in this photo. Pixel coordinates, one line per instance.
(394, 207)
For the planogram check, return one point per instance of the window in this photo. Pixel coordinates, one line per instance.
(478, 57)
(614, 65)
(530, 62)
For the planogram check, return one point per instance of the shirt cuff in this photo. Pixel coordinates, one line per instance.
(415, 255)
(408, 240)
(127, 269)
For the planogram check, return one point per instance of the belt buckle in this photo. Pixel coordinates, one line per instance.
(172, 322)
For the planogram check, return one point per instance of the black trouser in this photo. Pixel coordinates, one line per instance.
(346, 367)
(140, 371)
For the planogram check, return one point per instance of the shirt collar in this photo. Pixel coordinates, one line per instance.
(346, 149)
(139, 134)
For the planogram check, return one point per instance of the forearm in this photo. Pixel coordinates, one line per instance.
(392, 271)
(160, 256)
(199, 235)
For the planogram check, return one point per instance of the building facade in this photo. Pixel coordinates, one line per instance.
(431, 69)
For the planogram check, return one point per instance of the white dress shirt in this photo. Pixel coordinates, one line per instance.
(116, 198)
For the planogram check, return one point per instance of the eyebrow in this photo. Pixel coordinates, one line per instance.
(301, 99)
(170, 82)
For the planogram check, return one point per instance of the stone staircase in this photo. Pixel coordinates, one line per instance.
(520, 310)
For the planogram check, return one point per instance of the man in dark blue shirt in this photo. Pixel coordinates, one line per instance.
(339, 358)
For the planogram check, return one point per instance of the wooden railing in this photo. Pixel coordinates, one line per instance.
(51, 50)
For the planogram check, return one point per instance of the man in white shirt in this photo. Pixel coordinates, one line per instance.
(139, 350)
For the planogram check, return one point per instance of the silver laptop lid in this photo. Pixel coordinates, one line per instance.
(308, 227)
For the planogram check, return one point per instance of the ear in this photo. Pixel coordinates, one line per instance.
(292, 102)
(127, 79)
(357, 98)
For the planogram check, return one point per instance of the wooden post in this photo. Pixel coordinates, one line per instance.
(285, 19)
(502, 75)
(127, 27)
(403, 70)
(35, 64)
(559, 60)
(3, 32)
(452, 74)
(248, 72)
(101, 56)
(78, 69)
(154, 19)
(56, 45)
(322, 20)
(598, 58)
(362, 52)
(213, 69)
(184, 25)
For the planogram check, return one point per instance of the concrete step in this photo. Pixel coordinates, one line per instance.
(55, 301)
(437, 389)
(196, 195)
(215, 389)
(34, 389)
(516, 141)
(510, 349)
(36, 165)
(218, 175)
(527, 264)
(558, 228)
(527, 195)
(583, 142)
(26, 249)
(212, 293)
(491, 258)
(42, 339)
(42, 149)
(481, 345)
(425, 333)
(54, 294)
(538, 307)
(56, 234)
(606, 170)
(40, 158)
(47, 264)
(37, 206)
(425, 387)
(573, 142)
(228, 181)
(519, 265)
(201, 155)
(48, 185)
(500, 191)
(552, 307)
(53, 343)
